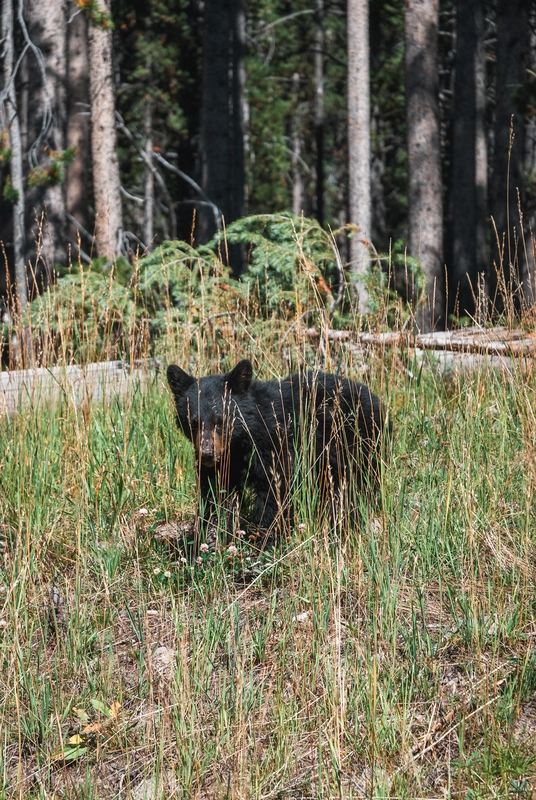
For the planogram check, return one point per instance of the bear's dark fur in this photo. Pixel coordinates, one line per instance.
(247, 434)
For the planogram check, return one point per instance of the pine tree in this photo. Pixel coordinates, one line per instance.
(507, 274)
(47, 116)
(424, 157)
(106, 181)
(10, 118)
(359, 142)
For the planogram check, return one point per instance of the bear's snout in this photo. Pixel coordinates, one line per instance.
(210, 448)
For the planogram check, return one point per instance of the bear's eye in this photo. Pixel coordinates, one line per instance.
(194, 424)
(218, 421)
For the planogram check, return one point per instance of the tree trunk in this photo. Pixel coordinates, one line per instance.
(239, 123)
(481, 148)
(462, 269)
(106, 181)
(78, 129)
(148, 199)
(377, 169)
(240, 108)
(319, 109)
(13, 126)
(215, 145)
(530, 170)
(424, 163)
(23, 91)
(359, 145)
(507, 272)
(47, 115)
(295, 154)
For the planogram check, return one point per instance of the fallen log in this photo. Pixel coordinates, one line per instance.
(78, 384)
(452, 362)
(487, 342)
(492, 341)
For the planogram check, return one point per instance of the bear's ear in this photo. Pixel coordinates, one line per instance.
(239, 378)
(179, 380)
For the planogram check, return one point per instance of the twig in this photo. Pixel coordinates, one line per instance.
(131, 196)
(130, 235)
(195, 186)
(270, 25)
(453, 728)
(80, 227)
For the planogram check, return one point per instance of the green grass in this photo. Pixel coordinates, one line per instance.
(395, 660)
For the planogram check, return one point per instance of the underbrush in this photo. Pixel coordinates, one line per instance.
(395, 659)
(293, 276)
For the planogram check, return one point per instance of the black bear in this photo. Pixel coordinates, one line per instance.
(248, 435)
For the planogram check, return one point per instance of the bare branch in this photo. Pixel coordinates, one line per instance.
(270, 25)
(120, 124)
(89, 236)
(195, 186)
(48, 117)
(82, 253)
(131, 196)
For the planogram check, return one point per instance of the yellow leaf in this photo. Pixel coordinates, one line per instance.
(93, 727)
(114, 709)
(76, 739)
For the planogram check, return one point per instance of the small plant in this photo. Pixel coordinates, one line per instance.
(78, 744)
(53, 173)
(9, 193)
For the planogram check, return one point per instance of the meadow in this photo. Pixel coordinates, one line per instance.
(395, 659)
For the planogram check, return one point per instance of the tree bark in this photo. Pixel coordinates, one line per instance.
(377, 169)
(507, 272)
(481, 148)
(319, 109)
(148, 199)
(106, 181)
(530, 170)
(424, 164)
(13, 126)
(462, 270)
(295, 154)
(239, 135)
(359, 145)
(240, 108)
(215, 143)
(47, 115)
(78, 128)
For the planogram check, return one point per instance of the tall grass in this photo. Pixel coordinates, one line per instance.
(394, 659)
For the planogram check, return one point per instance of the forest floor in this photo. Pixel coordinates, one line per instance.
(393, 660)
